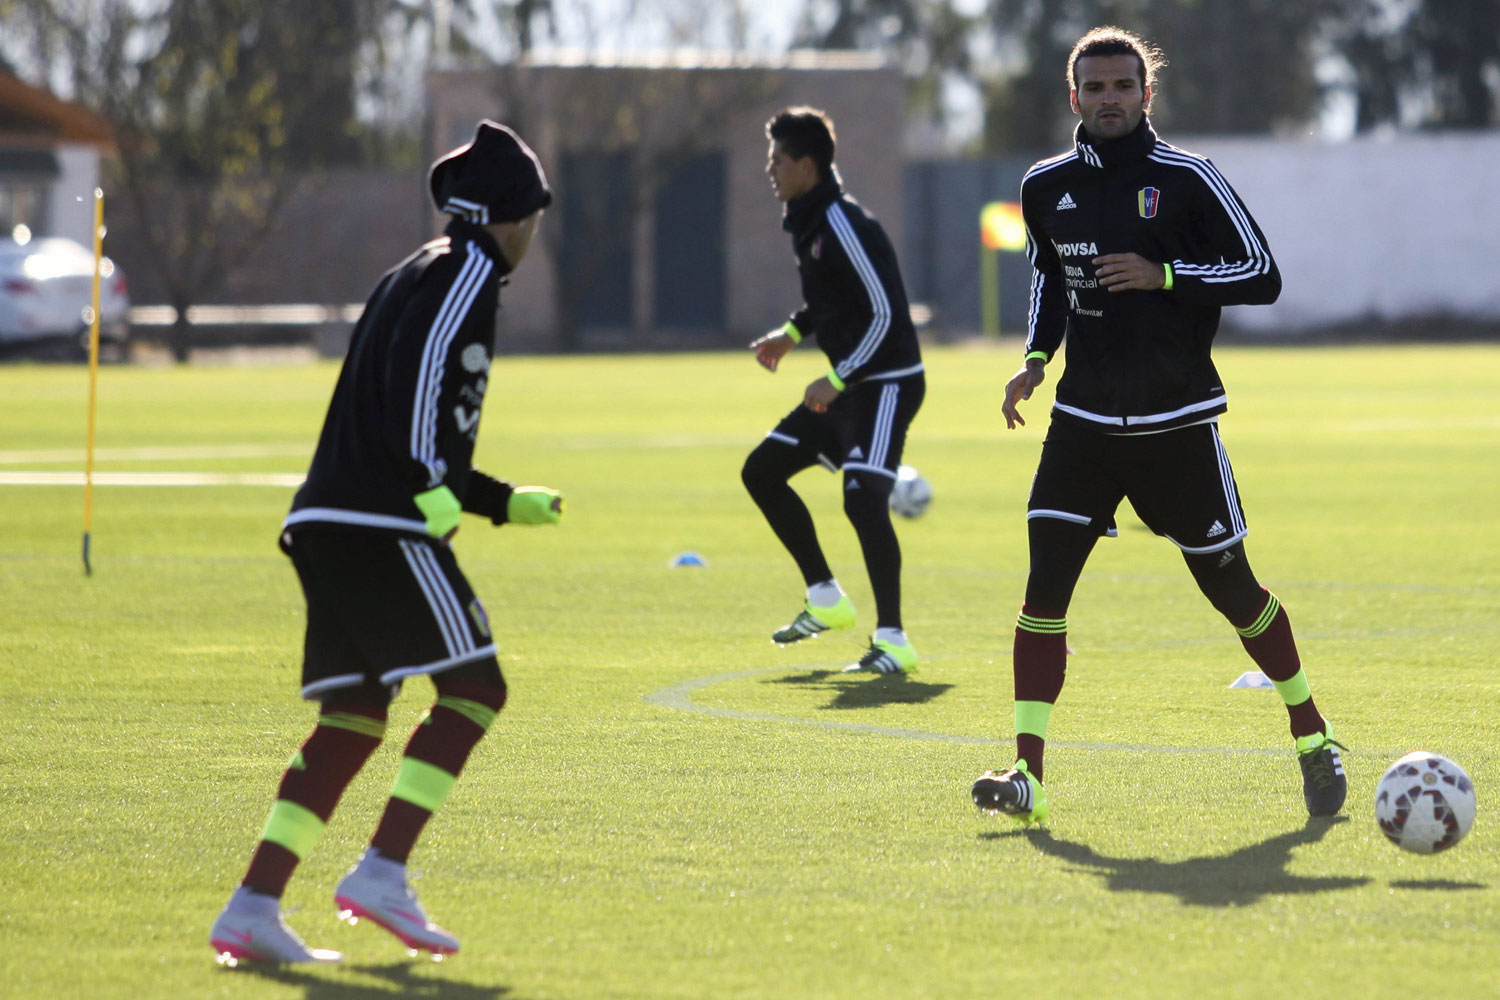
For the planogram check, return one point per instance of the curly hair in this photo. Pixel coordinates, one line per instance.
(1109, 40)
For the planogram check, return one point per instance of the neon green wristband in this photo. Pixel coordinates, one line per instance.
(440, 509)
(834, 380)
(1038, 354)
(790, 329)
(1167, 284)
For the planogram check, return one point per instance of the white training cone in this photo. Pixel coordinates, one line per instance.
(1252, 679)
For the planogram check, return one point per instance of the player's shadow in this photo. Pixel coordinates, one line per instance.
(1238, 878)
(402, 978)
(864, 690)
(1437, 885)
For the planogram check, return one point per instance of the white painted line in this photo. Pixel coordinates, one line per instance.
(278, 479)
(160, 453)
(679, 697)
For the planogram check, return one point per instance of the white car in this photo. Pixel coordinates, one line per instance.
(46, 293)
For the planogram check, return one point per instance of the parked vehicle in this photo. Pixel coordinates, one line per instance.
(46, 293)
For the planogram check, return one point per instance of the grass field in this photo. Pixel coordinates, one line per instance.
(672, 807)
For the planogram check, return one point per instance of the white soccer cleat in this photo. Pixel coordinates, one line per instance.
(376, 889)
(251, 928)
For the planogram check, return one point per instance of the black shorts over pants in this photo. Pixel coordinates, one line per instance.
(864, 430)
(1178, 481)
(381, 608)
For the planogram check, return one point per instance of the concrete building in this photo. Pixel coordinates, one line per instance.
(665, 232)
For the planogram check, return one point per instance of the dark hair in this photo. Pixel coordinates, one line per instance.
(1111, 41)
(804, 131)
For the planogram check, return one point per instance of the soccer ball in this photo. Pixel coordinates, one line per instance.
(1424, 803)
(912, 494)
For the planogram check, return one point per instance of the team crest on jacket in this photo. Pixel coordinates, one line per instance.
(817, 248)
(1147, 199)
(475, 359)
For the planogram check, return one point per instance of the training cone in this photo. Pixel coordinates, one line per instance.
(1251, 680)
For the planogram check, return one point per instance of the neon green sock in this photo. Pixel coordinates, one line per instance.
(293, 826)
(422, 784)
(1295, 690)
(1032, 717)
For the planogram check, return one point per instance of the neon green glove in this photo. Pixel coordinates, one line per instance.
(441, 509)
(534, 505)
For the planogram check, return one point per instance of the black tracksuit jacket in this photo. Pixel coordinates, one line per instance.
(1138, 362)
(854, 301)
(405, 412)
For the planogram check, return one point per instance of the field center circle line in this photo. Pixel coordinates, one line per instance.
(678, 696)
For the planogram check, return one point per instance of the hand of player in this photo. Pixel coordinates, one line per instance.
(1128, 272)
(820, 395)
(534, 505)
(440, 510)
(1021, 386)
(770, 349)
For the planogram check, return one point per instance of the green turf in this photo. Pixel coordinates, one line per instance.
(672, 807)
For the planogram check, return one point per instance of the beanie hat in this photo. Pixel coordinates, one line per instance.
(494, 178)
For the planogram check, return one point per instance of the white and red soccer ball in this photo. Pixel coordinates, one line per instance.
(912, 494)
(1424, 803)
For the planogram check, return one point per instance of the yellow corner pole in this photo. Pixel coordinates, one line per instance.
(88, 460)
(989, 290)
(1001, 227)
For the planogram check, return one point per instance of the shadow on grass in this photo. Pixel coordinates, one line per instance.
(864, 690)
(1437, 885)
(1238, 878)
(401, 980)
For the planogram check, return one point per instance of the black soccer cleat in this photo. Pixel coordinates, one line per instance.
(1016, 793)
(1324, 786)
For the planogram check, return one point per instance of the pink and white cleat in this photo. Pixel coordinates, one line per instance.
(251, 928)
(376, 889)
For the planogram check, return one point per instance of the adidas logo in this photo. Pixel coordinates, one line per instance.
(856, 452)
(1066, 202)
(1217, 529)
(853, 485)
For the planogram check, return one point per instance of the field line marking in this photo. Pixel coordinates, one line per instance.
(279, 479)
(154, 453)
(679, 697)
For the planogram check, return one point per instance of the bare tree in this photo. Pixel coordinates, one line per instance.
(1418, 63)
(218, 105)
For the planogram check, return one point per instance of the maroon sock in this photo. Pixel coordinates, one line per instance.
(1274, 650)
(1029, 748)
(1039, 661)
(444, 739)
(316, 779)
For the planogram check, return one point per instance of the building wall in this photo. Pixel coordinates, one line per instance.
(338, 233)
(1380, 229)
(70, 211)
(668, 112)
(1369, 233)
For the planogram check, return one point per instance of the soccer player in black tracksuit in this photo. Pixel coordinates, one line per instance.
(855, 417)
(1135, 246)
(369, 536)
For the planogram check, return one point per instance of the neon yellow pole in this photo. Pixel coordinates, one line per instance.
(1001, 227)
(88, 460)
(989, 289)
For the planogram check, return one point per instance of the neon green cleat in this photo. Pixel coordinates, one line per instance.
(885, 658)
(1015, 792)
(813, 619)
